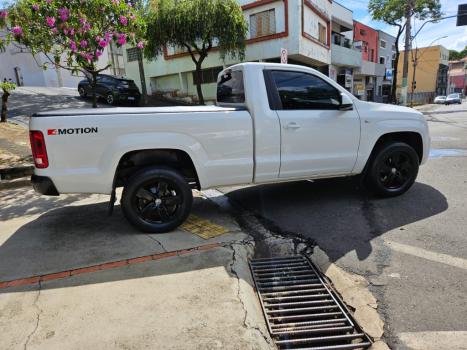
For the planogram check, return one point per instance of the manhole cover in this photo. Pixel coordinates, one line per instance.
(301, 311)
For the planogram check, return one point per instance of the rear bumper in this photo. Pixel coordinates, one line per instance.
(44, 185)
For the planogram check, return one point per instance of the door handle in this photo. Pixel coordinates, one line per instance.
(292, 126)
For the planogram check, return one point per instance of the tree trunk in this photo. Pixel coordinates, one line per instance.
(93, 89)
(144, 91)
(198, 83)
(5, 96)
(393, 98)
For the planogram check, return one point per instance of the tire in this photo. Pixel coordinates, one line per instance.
(393, 169)
(82, 92)
(156, 200)
(110, 99)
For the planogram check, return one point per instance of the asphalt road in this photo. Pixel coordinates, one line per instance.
(412, 249)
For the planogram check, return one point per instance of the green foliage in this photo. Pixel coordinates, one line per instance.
(7, 86)
(457, 55)
(196, 25)
(393, 11)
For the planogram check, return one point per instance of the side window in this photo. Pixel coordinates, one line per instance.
(230, 87)
(305, 91)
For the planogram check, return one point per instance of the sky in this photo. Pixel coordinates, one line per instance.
(456, 37)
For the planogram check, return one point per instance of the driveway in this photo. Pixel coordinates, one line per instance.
(412, 249)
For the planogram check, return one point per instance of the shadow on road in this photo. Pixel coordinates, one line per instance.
(337, 214)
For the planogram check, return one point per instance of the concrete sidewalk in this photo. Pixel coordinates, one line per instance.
(175, 291)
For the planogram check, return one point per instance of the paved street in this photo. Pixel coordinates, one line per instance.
(413, 249)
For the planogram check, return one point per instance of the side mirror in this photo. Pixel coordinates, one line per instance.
(346, 103)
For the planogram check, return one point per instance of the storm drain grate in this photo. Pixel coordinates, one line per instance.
(300, 309)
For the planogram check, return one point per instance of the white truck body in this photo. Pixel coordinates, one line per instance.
(228, 145)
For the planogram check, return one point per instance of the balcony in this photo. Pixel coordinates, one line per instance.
(343, 53)
(371, 69)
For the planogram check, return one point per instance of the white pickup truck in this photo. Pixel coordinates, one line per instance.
(272, 123)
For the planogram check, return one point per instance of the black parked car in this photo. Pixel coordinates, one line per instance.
(112, 89)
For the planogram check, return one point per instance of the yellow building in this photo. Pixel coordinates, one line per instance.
(430, 72)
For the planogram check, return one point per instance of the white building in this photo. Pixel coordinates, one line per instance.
(302, 27)
(18, 64)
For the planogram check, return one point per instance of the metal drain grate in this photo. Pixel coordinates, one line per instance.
(300, 309)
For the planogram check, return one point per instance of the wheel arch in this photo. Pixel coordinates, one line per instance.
(412, 138)
(177, 159)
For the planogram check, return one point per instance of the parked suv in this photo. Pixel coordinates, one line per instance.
(112, 89)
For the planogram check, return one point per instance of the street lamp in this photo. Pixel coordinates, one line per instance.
(415, 62)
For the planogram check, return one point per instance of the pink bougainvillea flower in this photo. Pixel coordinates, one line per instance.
(121, 39)
(3, 14)
(107, 36)
(35, 7)
(73, 46)
(98, 53)
(86, 27)
(83, 43)
(72, 32)
(54, 30)
(82, 20)
(17, 31)
(103, 43)
(98, 38)
(50, 21)
(48, 1)
(64, 13)
(140, 45)
(123, 20)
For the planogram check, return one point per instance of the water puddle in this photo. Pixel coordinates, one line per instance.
(448, 152)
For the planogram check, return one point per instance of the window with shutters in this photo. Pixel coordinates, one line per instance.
(263, 23)
(132, 54)
(322, 34)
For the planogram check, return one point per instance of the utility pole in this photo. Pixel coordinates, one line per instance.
(405, 68)
(415, 62)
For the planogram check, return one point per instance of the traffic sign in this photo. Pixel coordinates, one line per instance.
(284, 56)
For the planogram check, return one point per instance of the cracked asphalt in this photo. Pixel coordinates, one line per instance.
(412, 249)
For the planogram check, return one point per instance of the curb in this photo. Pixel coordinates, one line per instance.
(105, 266)
(16, 172)
(15, 183)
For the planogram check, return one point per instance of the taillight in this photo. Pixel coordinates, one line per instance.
(39, 152)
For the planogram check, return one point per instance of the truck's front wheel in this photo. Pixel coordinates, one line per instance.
(393, 169)
(156, 200)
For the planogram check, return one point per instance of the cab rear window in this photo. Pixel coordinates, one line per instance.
(230, 87)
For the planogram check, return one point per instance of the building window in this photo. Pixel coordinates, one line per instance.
(263, 23)
(322, 34)
(393, 47)
(132, 54)
(372, 55)
(362, 32)
(208, 75)
(382, 60)
(382, 44)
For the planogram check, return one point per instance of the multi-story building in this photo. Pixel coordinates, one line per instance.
(345, 58)
(302, 27)
(457, 76)
(386, 57)
(431, 72)
(366, 76)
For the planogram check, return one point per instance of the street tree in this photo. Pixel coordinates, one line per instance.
(197, 26)
(6, 87)
(393, 12)
(457, 55)
(72, 34)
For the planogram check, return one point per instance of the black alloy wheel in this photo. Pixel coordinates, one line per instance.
(393, 170)
(110, 98)
(157, 200)
(82, 92)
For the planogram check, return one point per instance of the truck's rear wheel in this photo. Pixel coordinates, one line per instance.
(392, 170)
(156, 200)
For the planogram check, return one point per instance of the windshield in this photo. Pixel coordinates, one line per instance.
(453, 96)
